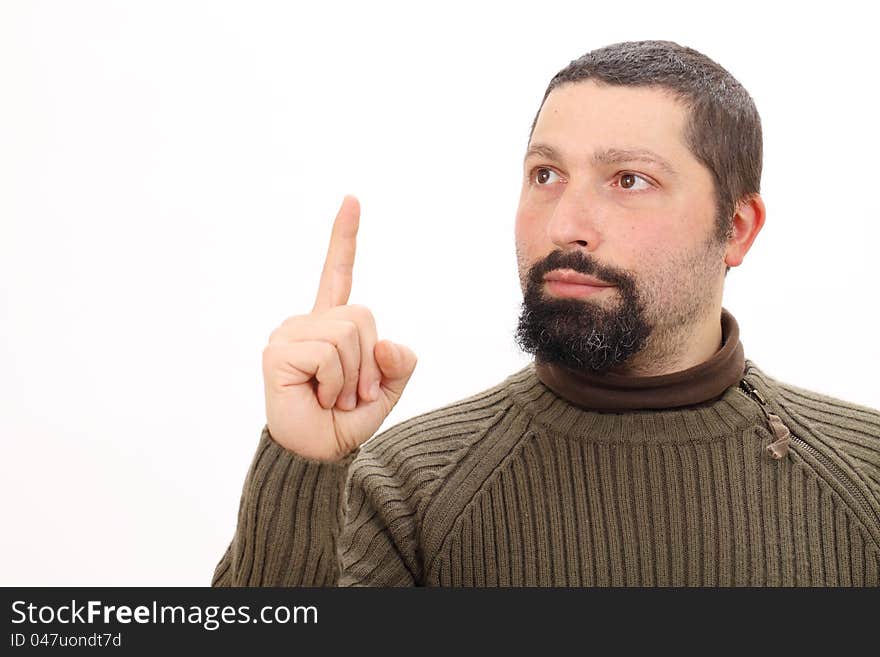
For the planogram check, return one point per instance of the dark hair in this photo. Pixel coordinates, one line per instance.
(723, 130)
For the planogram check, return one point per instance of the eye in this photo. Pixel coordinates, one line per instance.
(543, 175)
(633, 181)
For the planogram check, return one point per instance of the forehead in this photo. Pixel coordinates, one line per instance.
(585, 117)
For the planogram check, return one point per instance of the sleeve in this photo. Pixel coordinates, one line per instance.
(296, 527)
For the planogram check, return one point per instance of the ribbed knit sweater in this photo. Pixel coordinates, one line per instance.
(518, 486)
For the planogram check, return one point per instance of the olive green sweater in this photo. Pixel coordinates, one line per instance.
(517, 486)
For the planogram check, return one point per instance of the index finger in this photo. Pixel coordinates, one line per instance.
(335, 285)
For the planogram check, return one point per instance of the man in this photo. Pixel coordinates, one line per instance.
(639, 448)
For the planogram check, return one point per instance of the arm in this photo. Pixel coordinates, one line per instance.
(296, 527)
(329, 383)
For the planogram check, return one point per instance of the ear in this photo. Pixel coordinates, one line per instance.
(747, 223)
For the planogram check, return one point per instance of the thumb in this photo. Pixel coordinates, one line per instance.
(397, 363)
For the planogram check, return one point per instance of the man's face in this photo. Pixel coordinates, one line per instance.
(611, 190)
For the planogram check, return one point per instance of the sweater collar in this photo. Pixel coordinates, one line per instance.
(617, 392)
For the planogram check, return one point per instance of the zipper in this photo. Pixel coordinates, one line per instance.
(783, 437)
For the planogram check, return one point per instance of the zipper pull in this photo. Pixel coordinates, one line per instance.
(778, 449)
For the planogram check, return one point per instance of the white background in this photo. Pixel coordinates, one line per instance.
(169, 172)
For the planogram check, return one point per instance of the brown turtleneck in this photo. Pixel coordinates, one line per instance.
(618, 392)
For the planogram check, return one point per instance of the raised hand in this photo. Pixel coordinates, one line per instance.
(329, 381)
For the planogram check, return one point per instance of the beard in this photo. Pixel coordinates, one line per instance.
(594, 335)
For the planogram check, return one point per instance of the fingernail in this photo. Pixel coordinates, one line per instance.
(350, 401)
(374, 391)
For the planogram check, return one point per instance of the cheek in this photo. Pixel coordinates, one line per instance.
(529, 240)
(524, 232)
(671, 279)
(655, 237)
(638, 246)
(646, 250)
(530, 227)
(525, 255)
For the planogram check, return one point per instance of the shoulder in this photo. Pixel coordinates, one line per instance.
(416, 453)
(823, 409)
(445, 426)
(852, 430)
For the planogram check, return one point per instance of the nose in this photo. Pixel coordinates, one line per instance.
(574, 222)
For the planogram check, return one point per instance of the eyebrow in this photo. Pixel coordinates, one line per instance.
(607, 156)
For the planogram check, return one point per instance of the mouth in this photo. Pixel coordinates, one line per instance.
(569, 283)
(574, 277)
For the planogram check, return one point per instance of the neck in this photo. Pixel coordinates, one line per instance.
(697, 382)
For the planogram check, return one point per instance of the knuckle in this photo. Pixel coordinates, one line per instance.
(292, 321)
(349, 332)
(326, 356)
(286, 329)
(327, 350)
(361, 312)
